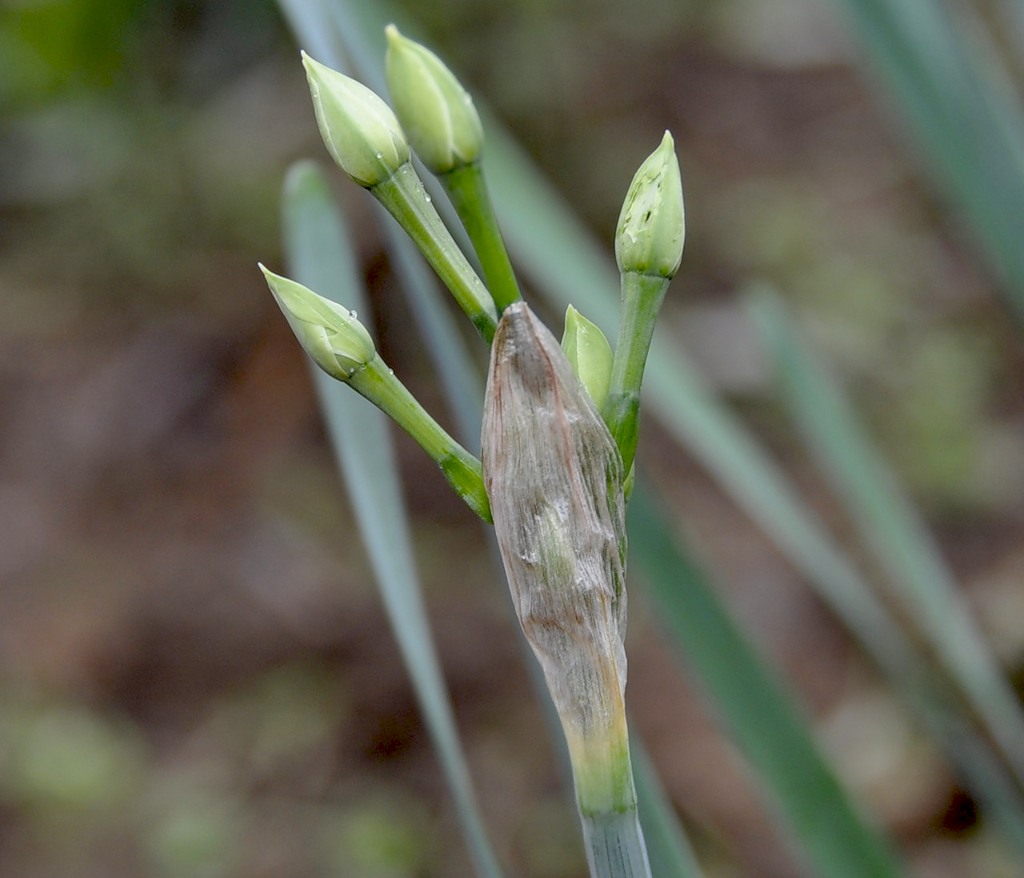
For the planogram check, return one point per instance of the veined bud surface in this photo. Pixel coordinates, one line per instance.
(360, 131)
(554, 479)
(652, 223)
(332, 336)
(436, 112)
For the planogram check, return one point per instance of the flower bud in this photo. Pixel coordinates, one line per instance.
(436, 112)
(554, 477)
(649, 237)
(359, 130)
(332, 336)
(589, 354)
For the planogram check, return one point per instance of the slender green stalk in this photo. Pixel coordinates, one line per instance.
(443, 126)
(648, 249)
(467, 189)
(340, 345)
(642, 295)
(408, 202)
(378, 384)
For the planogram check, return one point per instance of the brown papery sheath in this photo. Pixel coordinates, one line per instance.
(554, 479)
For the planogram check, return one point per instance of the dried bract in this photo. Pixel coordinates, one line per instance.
(554, 478)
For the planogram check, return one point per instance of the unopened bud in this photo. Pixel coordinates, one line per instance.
(649, 237)
(332, 336)
(588, 353)
(359, 130)
(436, 112)
(554, 479)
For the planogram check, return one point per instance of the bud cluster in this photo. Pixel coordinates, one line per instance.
(560, 422)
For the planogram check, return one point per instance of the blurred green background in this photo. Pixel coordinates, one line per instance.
(196, 676)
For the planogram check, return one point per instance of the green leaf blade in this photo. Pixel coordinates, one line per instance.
(761, 718)
(319, 252)
(890, 527)
(942, 70)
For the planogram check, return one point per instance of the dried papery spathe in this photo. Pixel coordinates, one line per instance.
(554, 479)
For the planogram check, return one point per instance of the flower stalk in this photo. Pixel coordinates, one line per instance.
(365, 139)
(467, 190)
(559, 430)
(648, 248)
(407, 201)
(444, 128)
(340, 345)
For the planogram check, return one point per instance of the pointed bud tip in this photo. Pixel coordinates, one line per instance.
(311, 65)
(269, 277)
(332, 336)
(651, 228)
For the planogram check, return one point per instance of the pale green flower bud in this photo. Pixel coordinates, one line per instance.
(332, 336)
(359, 130)
(649, 237)
(436, 112)
(588, 353)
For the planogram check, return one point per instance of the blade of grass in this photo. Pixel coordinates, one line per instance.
(320, 256)
(970, 129)
(761, 717)
(890, 527)
(459, 374)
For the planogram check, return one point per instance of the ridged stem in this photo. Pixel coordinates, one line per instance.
(615, 845)
(407, 201)
(642, 295)
(467, 190)
(462, 470)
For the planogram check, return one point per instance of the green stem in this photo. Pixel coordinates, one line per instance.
(467, 190)
(379, 385)
(615, 845)
(406, 200)
(607, 803)
(642, 295)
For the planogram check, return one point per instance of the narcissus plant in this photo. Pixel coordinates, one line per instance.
(560, 420)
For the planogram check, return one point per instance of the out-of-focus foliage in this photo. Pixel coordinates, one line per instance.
(52, 46)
